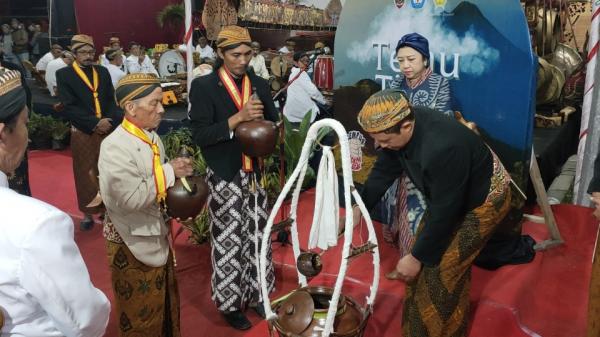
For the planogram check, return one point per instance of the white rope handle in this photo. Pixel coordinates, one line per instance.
(299, 173)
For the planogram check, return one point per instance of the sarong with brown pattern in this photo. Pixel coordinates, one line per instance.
(437, 301)
(86, 150)
(146, 298)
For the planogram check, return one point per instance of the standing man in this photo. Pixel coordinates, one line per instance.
(20, 42)
(134, 177)
(220, 102)
(45, 288)
(7, 46)
(87, 94)
(138, 61)
(467, 193)
(258, 62)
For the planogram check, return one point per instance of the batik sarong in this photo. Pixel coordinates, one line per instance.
(437, 301)
(86, 150)
(146, 298)
(235, 241)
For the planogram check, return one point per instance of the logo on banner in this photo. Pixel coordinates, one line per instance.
(417, 3)
(440, 3)
(356, 142)
(399, 3)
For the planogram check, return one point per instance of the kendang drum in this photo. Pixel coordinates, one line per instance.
(323, 76)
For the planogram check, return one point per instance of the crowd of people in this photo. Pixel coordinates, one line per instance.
(113, 102)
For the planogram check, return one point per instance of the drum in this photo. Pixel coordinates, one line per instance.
(171, 63)
(323, 76)
(279, 66)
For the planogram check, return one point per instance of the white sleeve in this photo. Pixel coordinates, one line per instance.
(150, 66)
(42, 63)
(311, 88)
(54, 273)
(133, 66)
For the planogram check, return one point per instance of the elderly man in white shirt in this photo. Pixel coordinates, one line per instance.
(114, 66)
(302, 92)
(45, 287)
(65, 60)
(138, 61)
(205, 51)
(258, 61)
(53, 54)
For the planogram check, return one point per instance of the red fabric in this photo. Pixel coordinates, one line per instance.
(547, 297)
(130, 20)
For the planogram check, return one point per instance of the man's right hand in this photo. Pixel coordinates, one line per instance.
(182, 167)
(103, 126)
(251, 111)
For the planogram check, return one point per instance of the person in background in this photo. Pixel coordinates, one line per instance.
(115, 62)
(20, 42)
(7, 46)
(65, 59)
(34, 43)
(45, 287)
(138, 61)
(134, 178)
(258, 61)
(53, 54)
(113, 43)
(205, 50)
(290, 46)
(87, 93)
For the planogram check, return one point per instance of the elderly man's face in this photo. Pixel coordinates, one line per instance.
(146, 112)
(85, 55)
(13, 142)
(202, 42)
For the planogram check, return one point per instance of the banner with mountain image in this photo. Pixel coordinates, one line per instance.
(481, 46)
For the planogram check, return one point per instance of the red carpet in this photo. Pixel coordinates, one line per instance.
(547, 297)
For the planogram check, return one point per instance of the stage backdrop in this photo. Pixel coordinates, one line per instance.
(131, 20)
(481, 46)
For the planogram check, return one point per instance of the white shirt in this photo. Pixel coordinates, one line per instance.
(50, 76)
(146, 67)
(260, 68)
(45, 287)
(300, 95)
(43, 62)
(206, 52)
(116, 74)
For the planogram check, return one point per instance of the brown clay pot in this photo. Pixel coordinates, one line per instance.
(304, 312)
(183, 204)
(309, 264)
(258, 137)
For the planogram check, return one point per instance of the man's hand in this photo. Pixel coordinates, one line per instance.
(408, 268)
(182, 167)
(251, 111)
(103, 126)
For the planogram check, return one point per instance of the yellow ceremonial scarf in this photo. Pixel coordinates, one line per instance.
(240, 99)
(159, 174)
(93, 87)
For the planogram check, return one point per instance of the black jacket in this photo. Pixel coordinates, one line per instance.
(449, 164)
(211, 107)
(79, 101)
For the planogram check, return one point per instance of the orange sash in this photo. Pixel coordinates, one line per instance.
(240, 99)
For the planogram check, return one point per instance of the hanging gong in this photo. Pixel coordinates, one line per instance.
(279, 66)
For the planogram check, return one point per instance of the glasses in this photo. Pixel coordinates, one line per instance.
(86, 52)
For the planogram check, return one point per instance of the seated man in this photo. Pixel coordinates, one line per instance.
(302, 94)
(45, 288)
(134, 177)
(65, 60)
(467, 192)
(54, 53)
(115, 63)
(204, 49)
(138, 61)
(258, 62)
